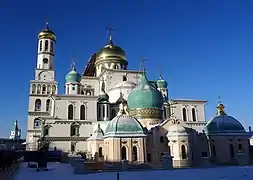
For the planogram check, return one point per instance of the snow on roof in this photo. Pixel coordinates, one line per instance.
(65, 172)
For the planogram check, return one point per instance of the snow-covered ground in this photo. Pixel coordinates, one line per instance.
(65, 172)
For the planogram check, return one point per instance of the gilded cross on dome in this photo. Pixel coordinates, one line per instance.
(109, 30)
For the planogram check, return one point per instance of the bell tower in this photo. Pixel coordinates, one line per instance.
(43, 85)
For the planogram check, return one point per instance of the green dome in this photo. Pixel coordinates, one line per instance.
(145, 95)
(73, 76)
(222, 123)
(161, 83)
(124, 125)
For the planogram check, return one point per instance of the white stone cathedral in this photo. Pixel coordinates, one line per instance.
(109, 103)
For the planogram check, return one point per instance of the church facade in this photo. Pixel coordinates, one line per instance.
(114, 113)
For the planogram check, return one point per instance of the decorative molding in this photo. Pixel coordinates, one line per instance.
(34, 131)
(71, 121)
(147, 113)
(72, 102)
(124, 142)
(74, 138)
(38, 113)
(175, 121)
(135, 142)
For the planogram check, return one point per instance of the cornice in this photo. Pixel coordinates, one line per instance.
(73, 138)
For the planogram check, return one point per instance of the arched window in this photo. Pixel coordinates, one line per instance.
(47, 104)
(82, 112)
(162, 139)
(99, 112)
(38, 89)
(51, 46)
(214, 150)
(74, 129)
(193, 115)
(183, 152)
(70, 112)
(124, 78)
(123, 153)
(184, 114)
(48, 89)
(149, 157)
(232, 153)
(164, 112)
(135, 153)
(37, 105)
(36, 123)
(40, 45)
(46, 130)
(239, 147)
(103, 110)
(82, 92)
(73, 148)
(100, 152)
(44, 89)
(53, 89)
(113, 113)
(33, 88)
(46, 45)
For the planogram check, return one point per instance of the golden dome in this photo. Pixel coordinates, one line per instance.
(47, 33)
(111, 51)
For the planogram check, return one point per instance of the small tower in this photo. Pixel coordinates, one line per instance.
(103, 105)
(16, 132)
(73, 79)
(162, 87)
(46, 45)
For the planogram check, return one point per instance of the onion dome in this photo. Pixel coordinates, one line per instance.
(145, 95)
(73, 76)
(103, 96)
(124, 125)
(222, 123)
(161, 83)
(111, 51)
(47, 33)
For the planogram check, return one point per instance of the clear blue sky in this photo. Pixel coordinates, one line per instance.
(205, 48)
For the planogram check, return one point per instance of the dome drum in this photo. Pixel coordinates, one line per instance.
(152, 113)
(109, 63)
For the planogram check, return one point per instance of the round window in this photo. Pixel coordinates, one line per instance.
(45, 60)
